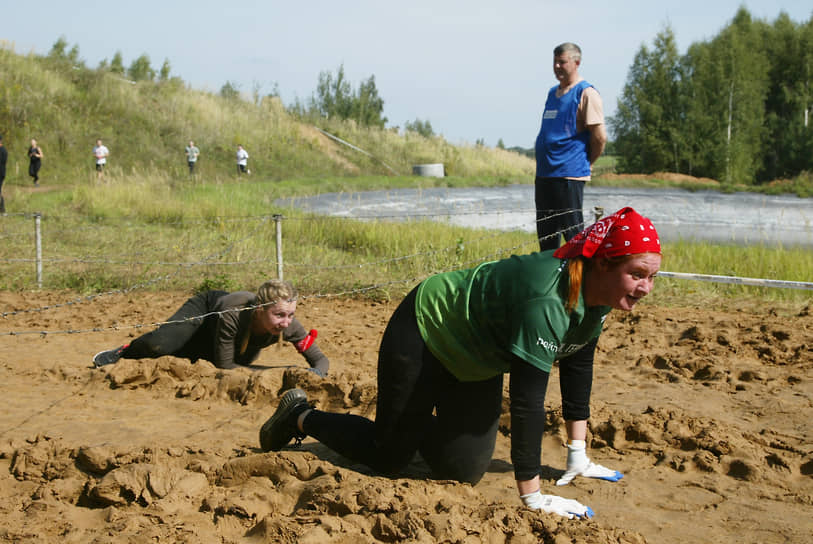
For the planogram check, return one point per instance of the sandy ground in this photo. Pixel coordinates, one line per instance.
(708, 414)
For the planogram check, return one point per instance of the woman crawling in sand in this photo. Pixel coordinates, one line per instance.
(228, 329)
(449, 343)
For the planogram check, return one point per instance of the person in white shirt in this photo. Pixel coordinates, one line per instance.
(242, 160)
(192, 153)
(100, 153)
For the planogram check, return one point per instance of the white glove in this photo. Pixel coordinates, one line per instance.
(578, 464)
(556, 505)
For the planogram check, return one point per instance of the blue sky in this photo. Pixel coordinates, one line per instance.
(475, 69)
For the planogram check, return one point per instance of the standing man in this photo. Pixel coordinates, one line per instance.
(100, 153)
(3, 160)
(572, 137)
(35, 162)
(192, 153)
(242, 161)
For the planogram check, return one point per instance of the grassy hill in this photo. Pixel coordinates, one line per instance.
(147, 124)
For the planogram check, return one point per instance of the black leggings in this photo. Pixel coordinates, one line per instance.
(187, 339)
(559, 204)
(34, 169)
(457, 442)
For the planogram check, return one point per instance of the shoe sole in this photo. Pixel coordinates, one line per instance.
(288, 401)
(96, 363)
(117, 352)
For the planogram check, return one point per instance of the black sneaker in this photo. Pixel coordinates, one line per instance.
(107, 357)
(281, 427)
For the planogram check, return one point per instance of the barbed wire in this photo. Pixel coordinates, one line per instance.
(388, 260)
(382, 285)
(356, 291)
(310, 216)
(12, 215)
(140, 325)
(349, 292)
(143, 263)
(413, 214)
(17, 235)
(129, 221)
(93, 259)
(143, 241)
(755, 282)
(123, 290)
(209, 261)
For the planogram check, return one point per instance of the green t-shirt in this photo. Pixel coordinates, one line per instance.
(474, 321)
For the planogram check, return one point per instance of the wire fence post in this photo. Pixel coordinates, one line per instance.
(278, 228)
(38, 238)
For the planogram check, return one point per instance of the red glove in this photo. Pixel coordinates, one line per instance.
(306, 342)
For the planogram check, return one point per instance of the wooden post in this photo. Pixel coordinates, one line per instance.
(278, 228)
(38, 238)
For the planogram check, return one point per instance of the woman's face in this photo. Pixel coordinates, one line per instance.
(622, 285)
(274, 319)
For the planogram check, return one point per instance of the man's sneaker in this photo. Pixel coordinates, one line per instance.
(107, 357)
(281, 427)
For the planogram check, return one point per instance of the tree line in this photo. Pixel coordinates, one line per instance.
(736, 108)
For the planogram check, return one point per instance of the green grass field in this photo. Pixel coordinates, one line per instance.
(153, 233)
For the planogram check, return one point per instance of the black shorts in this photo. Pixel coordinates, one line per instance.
(99, 167)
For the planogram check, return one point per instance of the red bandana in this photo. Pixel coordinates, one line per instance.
(625, 232)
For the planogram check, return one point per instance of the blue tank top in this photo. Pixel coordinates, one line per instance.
(561, 152)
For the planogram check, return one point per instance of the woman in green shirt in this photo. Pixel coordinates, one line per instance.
(449, 343)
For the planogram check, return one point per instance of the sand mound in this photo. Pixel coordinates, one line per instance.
(162, 494)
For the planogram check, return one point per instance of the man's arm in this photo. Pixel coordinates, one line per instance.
(598, 140)
(591, 117)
